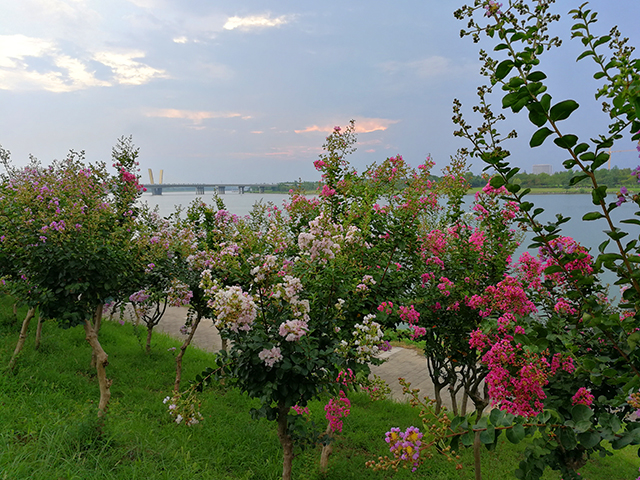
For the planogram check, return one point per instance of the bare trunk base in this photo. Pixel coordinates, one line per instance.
(285, 441)
(183, 348)
(477, 445)
(22, 338)
(326, 451)
(149, 334)
(39, 332)
(102, 360)
(97, 320)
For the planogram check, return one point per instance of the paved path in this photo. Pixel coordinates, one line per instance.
(400, 362)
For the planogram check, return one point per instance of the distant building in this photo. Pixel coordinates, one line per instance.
(542, 168)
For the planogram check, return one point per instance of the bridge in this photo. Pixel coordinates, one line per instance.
(219, 188)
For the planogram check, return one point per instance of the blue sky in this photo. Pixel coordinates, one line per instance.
(246, 91)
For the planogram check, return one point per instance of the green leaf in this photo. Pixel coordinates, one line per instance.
(509, 99)
(497, 181)
(552, 269)
(589, 439)
(496, 416)
(622, 442)
(515, 434)
(592, 216)
(567, 438)
(580, 413)
(503, 69)
(536, 76)
(562, 110)
(467, 438)
(537, 115)
(584, 54)
(566, 141)
(599, 194)
(539, 137)
(488, 436)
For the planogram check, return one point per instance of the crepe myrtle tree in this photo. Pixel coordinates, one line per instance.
(67, 234)
(564, 364)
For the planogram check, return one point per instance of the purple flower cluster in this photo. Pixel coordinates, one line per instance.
(405, 445)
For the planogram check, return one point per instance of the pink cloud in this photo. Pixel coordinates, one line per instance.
(363, 125)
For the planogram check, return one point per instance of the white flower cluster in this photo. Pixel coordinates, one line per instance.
(288, 291)
(366, 338)
(260, 272)
(234, 309)
(183, 409)
(322, 241)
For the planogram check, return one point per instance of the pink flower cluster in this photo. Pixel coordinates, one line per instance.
(582, 397)
(270, 356)
(293, 330)
(336, 409)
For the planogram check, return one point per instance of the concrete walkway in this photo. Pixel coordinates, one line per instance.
(400, 362)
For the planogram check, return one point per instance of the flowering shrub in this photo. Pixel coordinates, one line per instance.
(68, 240)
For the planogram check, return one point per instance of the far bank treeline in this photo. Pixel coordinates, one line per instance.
(614, 178)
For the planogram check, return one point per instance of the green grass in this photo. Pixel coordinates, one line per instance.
(49, 430)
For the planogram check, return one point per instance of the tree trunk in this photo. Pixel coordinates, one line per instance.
(102, 360)
(39, 332)
(437, 389)
(285, 441)
(183, 348)
(97, 319)
(454, 400)
(23, 336)
(326, 451)
(224, 344)
(465, 401)
(477, 445)
(149, 333)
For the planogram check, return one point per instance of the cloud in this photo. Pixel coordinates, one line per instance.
(256, 21)
(181, 40)
(363, 125)
(128, 71)
(431, 67)
(63, 74)
(197, 117)
(29, 63)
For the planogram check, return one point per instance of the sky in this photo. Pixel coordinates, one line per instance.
(246, 91)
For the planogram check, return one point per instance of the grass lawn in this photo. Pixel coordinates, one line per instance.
(48, 426)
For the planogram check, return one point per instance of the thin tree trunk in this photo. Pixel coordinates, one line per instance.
(149, 334)
(454, 401)
(39, 332)
(23, 336)
(326, 451)
(223, 344)
(97, 319)
(102, 360)
(465, 401)
(437, 390)
(183, 348)
(285, 441)
(477, 444)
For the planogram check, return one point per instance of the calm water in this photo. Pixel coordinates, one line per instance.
(589, 234)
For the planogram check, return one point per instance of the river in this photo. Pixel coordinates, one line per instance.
(589, 234)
